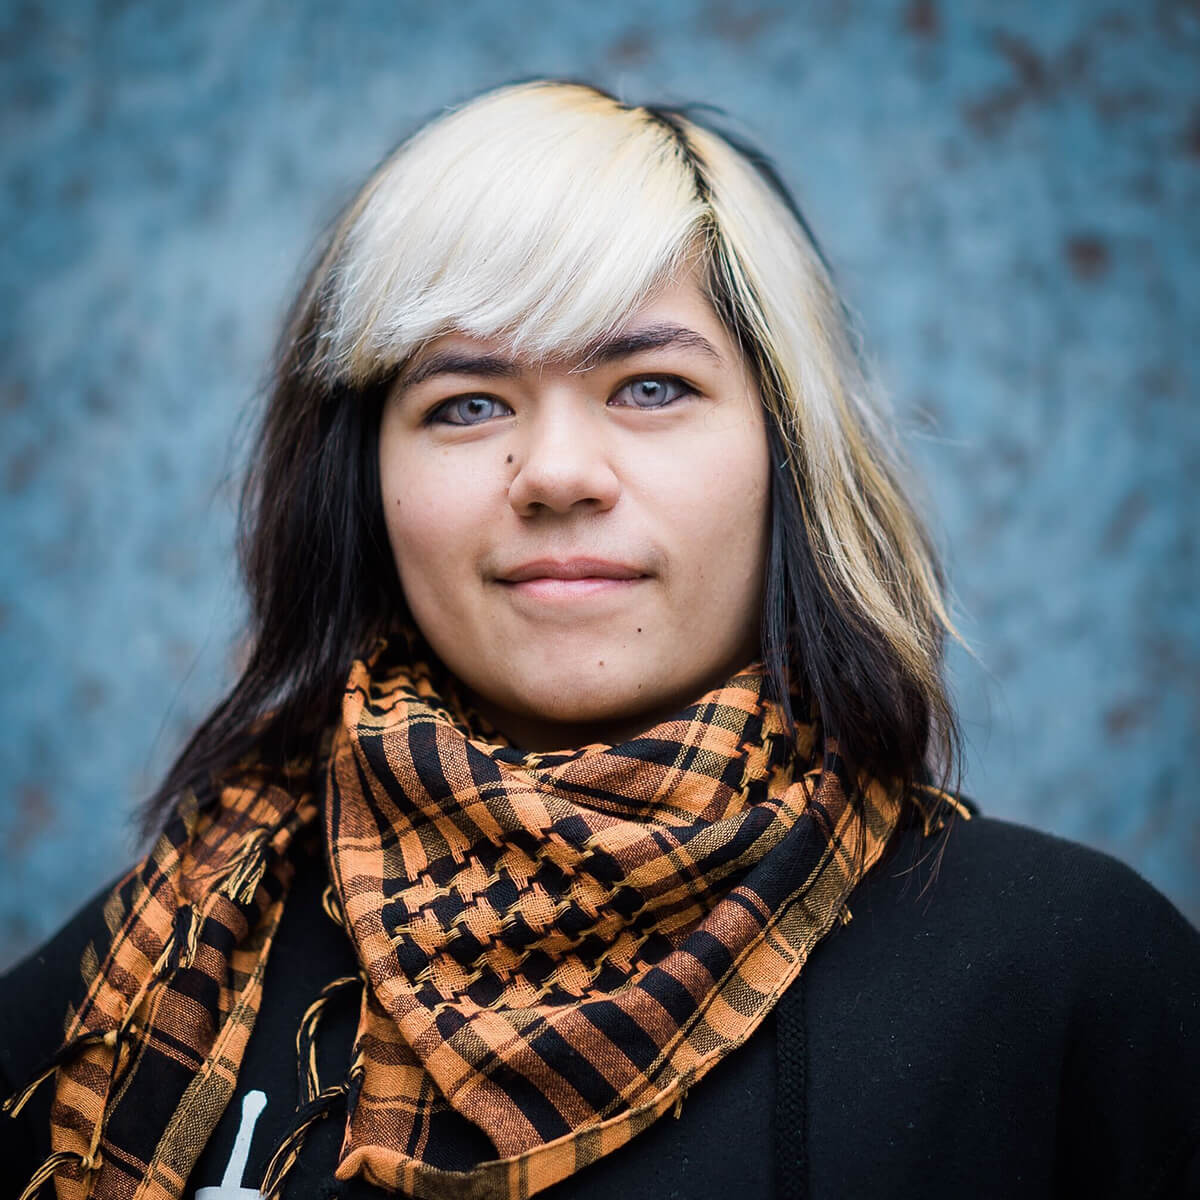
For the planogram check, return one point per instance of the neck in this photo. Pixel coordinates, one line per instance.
(540, 735)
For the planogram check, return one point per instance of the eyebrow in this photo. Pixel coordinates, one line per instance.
(621, 345)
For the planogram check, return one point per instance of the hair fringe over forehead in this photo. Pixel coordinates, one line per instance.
(543, 215)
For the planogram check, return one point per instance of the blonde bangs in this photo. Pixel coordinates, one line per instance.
(542, 216)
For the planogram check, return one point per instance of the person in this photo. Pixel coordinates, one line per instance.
(586, 821)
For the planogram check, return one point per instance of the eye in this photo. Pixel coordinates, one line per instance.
(651, 391)
(468, 410)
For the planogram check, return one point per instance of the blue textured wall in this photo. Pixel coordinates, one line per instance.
(1008, 192)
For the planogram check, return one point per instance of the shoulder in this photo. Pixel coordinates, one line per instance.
(37, 991)
(998, 873)
(1027, 973)
(1106, 970)
(1034, 919)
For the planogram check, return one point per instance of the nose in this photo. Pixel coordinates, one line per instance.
(563, 460)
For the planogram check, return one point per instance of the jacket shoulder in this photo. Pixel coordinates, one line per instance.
(38, 992)
(1018, 964)
(1048, 878)
(1061, 921)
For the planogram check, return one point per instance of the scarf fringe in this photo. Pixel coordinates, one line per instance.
(246, 868)
(315, 1103)
(50, 1167)
(178, 952)
(114, 1039)
(17, 1100)
(288, 1152)
(332, 909)
(306, 1037)
(933, 819)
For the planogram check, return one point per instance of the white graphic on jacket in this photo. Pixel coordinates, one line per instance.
(230, 1187)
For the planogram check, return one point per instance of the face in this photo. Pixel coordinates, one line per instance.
(583, 543)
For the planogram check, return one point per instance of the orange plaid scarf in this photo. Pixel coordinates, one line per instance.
(555, 947)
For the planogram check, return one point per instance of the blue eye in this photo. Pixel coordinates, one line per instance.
(468, 410)
(652, 391)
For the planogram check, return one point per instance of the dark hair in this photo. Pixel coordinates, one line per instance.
(322, 583)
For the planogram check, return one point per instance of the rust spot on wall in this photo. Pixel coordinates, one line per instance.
(1087, 256)
(921, 18)
(1125, 102)
(19, 470)
(15, 395)
(1117, 23)
(1031, 71)
(1191, 139)
(1178, 21)
(98, 401)
(75, 189)
(35, 812)
(732, 23)
(1036, 81)
(1160, 380)
(631, 48)
(1122, 719)
(1130, 513)
(1146, 186)
(90, 693)
(1010, 454)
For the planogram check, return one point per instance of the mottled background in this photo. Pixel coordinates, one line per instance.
(1009, 193)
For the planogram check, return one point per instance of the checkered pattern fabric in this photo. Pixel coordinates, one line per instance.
(557, 946)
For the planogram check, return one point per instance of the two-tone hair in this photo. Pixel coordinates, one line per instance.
(545, 214)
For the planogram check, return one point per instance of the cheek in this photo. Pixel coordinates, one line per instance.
(719, 501)
(429, 517)
(410, 524)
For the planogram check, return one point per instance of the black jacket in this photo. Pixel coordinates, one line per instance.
(1024, 1024)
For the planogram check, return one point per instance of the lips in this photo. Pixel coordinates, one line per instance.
(570, 569)
(554, 582)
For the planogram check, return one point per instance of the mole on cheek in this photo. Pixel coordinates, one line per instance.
(508, 459)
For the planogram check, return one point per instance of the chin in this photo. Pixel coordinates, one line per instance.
(603, 704)
(585, 699)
